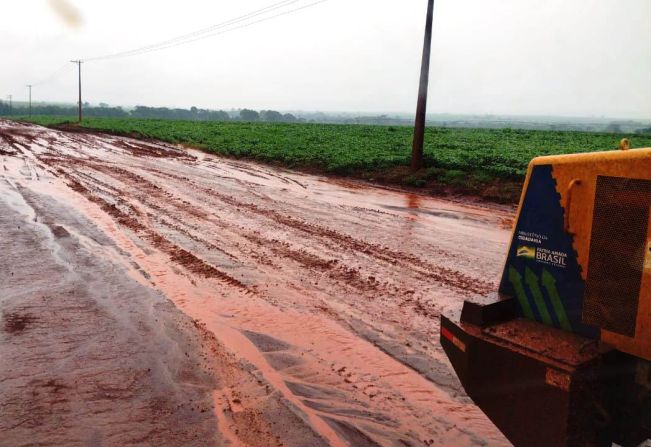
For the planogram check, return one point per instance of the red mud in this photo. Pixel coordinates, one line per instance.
(313, 304)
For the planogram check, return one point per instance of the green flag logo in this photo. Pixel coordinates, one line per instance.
(526, 252)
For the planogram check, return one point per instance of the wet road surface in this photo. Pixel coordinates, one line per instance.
(155, 295)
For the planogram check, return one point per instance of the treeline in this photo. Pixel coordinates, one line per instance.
(267, 115)
(248, 115)
(56, 110)
(192, 114)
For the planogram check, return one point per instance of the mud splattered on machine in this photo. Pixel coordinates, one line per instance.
(561, 355)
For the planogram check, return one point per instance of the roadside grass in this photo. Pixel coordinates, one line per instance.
(486, 162)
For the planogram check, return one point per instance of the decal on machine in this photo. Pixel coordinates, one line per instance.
(540, 254)
(542, 271)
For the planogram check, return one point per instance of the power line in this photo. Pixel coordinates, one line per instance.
(186, 39)
(210, 31)
(246, 25)
(202, 31)
(244, 21)
(58, 72)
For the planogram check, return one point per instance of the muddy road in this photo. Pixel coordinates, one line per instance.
(151, 295)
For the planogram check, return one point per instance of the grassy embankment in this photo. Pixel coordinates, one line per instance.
(487, 163)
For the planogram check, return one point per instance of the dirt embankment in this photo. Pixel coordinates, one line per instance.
(268, 307)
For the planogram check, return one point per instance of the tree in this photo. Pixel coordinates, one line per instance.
(289, 118)
(249, 115)
(271, 116)
(218, 115)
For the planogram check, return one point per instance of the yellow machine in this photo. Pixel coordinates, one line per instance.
(561, 354)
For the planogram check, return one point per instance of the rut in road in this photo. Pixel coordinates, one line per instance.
(330, 289)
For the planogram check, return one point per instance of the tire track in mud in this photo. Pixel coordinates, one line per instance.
(177, 254)
(349, 275)
(186, 232)
(333, 267)
(445, 276)
(144, 191)
(368, 285)
(364, 395)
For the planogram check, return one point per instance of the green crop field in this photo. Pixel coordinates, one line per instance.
(465, 158)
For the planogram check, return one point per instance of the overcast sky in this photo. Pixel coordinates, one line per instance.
(533, 57)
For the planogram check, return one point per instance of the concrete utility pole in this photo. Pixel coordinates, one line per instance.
(79, 62)
(11, 104)
(421, 109)
(29, 86)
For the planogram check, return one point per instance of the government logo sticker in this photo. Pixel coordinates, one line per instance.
(526, 252)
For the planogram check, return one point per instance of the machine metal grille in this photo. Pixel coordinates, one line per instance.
(617, 251)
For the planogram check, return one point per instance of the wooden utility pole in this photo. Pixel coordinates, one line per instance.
(29, 86)
(79, 62)
(421, 109)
